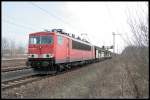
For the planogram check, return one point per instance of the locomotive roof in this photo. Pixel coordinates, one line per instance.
(46, 33)
(74, 38)
(41, 33)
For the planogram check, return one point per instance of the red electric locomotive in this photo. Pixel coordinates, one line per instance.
(54, 50)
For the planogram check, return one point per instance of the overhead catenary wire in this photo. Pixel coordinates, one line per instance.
(14, 19)
(52, 15)
(27, 27)
(115, 27)
(125, 41)
(18, 25)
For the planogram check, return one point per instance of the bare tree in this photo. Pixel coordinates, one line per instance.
(5, 46)
(20, 50)
(136, 54)
(12, 48)
(139, 27)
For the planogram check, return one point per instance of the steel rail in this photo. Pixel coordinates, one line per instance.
(14, 68)
(19, 82)
(5, 59)
(16, 74)
(11, 79)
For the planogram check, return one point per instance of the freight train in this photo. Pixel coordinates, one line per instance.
(56, 50)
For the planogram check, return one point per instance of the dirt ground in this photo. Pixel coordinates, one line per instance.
(106, 79)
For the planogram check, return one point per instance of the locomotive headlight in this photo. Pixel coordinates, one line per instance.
(32, 56)
(47, 55)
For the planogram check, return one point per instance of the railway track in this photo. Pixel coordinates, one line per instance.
(14, 68)
(7, 59)
(17, 78)
(15, 82)
(16, 74)
(18, 82)
(28, 79)
(12, 64)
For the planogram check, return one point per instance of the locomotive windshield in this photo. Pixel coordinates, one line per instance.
(40, 39)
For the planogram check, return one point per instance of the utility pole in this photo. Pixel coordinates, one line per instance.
(114, 41)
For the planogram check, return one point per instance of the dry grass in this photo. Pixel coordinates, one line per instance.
(137, 61)
(107, 79)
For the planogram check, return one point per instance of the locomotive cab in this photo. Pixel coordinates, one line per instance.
(41, 49)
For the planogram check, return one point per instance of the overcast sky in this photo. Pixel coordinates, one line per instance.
(97, 19)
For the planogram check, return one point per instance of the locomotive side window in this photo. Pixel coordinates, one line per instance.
(80, 46)
(60, 39)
